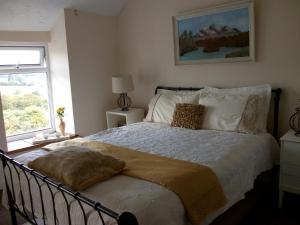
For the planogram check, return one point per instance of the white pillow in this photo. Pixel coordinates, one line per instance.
(177, 92)
(151, 105)
(263, 105)
(222, 112)
(162, 106)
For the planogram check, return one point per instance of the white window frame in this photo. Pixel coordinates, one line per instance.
(41, 49)
(43, 68)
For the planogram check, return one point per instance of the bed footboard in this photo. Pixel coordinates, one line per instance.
(21, 199)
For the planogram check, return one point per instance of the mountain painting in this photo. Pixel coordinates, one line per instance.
(216, 35)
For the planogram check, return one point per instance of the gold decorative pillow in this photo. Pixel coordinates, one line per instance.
(77, 167)
(188, 116)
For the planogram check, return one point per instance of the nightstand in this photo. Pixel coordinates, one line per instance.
(117, 117)
(289, 165)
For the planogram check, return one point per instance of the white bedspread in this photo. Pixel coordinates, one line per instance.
(237, 159)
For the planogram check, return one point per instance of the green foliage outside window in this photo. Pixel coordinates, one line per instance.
(24, 112)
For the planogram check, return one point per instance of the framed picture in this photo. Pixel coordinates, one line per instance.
(223, 33)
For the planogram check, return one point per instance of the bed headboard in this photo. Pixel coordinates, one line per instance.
(274, 106)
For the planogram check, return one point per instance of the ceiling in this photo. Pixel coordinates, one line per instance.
(40, 15)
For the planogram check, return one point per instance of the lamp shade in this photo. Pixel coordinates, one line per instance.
(122, 83)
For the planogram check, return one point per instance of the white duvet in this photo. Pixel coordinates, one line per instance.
(237, 159)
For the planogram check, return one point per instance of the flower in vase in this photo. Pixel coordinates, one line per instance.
(60, 112)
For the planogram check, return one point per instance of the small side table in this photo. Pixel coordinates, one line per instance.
(117, 117)
(289, 165)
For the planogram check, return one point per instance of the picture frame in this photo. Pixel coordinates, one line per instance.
(218, 34)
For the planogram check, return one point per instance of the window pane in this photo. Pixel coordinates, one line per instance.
(9, 57)
(25, 102)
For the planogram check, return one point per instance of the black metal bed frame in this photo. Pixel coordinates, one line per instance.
(125, 218)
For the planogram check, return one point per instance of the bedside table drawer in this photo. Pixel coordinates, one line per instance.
(290, 153)
(292, 170)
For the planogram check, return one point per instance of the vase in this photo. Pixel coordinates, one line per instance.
(62, 127)
(295, 122)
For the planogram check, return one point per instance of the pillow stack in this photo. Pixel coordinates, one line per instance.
(242, 109)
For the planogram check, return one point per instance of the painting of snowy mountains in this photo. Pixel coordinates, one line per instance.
(219, 34)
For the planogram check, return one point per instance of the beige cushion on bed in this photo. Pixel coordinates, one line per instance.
(188, 116)
(77, 167)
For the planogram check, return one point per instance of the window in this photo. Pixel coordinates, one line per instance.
(22, 57)
(25, 91)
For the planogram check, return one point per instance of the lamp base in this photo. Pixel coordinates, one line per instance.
(124, 102)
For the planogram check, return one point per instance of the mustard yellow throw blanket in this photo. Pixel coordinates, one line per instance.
(197, 186)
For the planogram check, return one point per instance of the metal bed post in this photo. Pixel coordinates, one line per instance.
(10, 198)
(12, 209)
(277, 93)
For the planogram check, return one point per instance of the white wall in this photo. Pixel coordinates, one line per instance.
(60, 74)
(92, 53)
(146, 50)
(25, 36)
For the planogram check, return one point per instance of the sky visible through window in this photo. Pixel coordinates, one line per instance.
(19, 57)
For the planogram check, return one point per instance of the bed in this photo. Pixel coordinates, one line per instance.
(41, 200)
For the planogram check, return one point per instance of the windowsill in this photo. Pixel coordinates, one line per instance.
(26, 144)
(20, 144)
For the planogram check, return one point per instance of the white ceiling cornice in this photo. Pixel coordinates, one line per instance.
(40, 15)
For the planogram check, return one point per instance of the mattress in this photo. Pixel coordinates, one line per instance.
(236, 158)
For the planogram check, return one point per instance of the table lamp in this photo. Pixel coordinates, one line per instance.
(122, 84)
